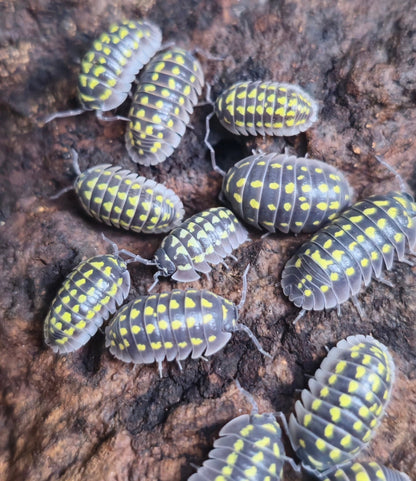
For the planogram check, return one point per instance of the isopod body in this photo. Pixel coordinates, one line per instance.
(279, 192)
(206, 237)
(272, 108)
(116, 56)
(368, 471)
(89, 294)
(343, 405)
(173, 325)
(167, 92)
(249, 448)
(330, 268)
(123, 199)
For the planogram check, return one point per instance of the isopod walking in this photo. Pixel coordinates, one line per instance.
(203, 239)
(166, 94)
(175, 325)
(280, 192)
(263, 108)
(110, 66)
(123, 199)
(331, 268)
(89, 294)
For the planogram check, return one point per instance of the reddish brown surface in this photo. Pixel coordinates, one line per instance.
(88, 416)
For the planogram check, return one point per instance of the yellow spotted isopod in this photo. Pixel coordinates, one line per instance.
(265, 108)
(109, 68)
(166, 94)
(89, 294)
(280, 192)
(343, 405)
(332, 266)
(174, 325)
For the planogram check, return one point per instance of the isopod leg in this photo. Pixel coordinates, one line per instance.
(359, 308)
(299, 316)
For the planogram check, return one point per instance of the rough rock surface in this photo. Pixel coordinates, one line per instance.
(87, 415)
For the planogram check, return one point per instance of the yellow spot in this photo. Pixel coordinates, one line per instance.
(255, 183)
(289, 188)
(316, 256)
(320, 444)
(190, 322)
(189, 302)
(335, 454)
(350, 271)
(329, 431)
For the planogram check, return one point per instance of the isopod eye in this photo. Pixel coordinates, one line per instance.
(163, 263)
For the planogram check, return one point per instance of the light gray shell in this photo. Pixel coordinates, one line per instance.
(249, 448)
(345, 401)
(172, 326)
(265, 108)
(167, 92)
(369, 471)
(204, 238)
(125, 200)
(331, 267)
(280, 192)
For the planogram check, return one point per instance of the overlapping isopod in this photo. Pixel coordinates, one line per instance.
(343, 405)
(249, 447)
(111, 65)
(331, 267)
(369, 471)
(89, 294)
(285, 193)
(166, 94)
(206, 237)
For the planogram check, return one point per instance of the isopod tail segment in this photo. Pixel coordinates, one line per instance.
(402, 183)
